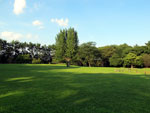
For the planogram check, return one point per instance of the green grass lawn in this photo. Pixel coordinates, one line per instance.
(26, 88)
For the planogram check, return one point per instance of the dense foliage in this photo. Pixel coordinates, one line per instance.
(87, 54)
(17, 52)
(67, 50)
(66, 46)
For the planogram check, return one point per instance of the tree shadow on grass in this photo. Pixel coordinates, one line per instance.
(43, 91)
(29, 67)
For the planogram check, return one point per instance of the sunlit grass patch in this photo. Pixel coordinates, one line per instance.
(13, 93)
(19, 78)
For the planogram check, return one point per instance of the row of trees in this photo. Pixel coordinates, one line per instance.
(17, 52)
(125, 55)
(87, 54)
(67, 50)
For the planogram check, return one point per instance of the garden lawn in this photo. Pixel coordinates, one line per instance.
(51, 88)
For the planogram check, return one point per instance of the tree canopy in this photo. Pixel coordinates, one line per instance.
(66, 45)
(67, 50)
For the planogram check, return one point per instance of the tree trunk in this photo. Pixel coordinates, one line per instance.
(89, 64)
(131, 66)
(68, 64)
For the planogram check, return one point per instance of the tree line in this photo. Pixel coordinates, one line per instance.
(67, 50)
(18, 52)
(87, 54)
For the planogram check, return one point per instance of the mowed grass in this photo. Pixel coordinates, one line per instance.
(26, 88)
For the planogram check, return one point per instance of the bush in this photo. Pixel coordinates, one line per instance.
(23, 59)
(54, 60)
(36, 61)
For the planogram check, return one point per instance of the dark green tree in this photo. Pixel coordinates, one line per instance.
(146, 60)
(138, 50)
(139, 62)
(61, 45)
(116, 60)
(106, 53)
(71, 45)
(66, 45)
(147, 47)
(23, 59)
(88, 54)
(17, 52)
(129, 60)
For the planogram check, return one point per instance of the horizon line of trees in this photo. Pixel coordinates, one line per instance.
(67, 50)
(22, 52)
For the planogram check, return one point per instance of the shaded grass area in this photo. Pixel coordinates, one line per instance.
(58, 89)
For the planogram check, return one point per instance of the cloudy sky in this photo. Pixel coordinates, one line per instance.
(103, 21)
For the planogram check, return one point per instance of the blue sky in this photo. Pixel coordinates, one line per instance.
(105, 22)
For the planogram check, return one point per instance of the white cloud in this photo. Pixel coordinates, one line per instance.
(33, 37)
(29, 36)
(37, 23)
(11, 35)
(19, 5)
(60, 22)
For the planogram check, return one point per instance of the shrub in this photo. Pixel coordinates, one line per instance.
(23, 59)
(36, 61)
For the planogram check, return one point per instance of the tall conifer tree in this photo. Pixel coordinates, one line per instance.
(66, 45)
(61, 45)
